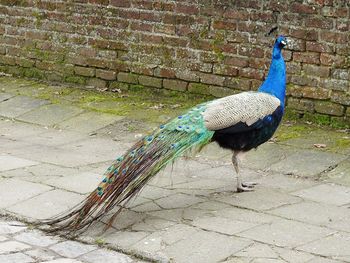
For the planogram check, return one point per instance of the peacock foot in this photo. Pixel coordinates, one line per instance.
(246, 187)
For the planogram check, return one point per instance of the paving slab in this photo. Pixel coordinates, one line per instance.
(12, 246)
(336, 246)
(82, 183)
(16, 130)
(41, 254)
(326, 193)
(222, 225)
(54, 137)
(317, 213)
(279, 233)
(261, 199)
(19, 105)
(47, 204)
(8, 162)
(340, 174)
(36, 238)
(16, 257)
(13, 191)
(307, 163)
(106, 257)
(88, 122)
(220, 247)
(265, 156)
(5, 96)
(72, 249)
(49, 115)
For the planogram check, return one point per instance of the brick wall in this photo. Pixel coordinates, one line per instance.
(204, 46)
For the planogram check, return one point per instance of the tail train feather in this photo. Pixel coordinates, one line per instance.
(130, 172)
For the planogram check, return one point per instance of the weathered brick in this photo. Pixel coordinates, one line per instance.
(332, 60)
(316, 22)
(251, 73)
(199, 88)
(224, 24)
(211, 79)
(314, 70)
(319, 47)
(340, 97)
(128, 78)
(335, 84)
(219, 92)
(120, 3)
(307, 57)
(187, 75)
(238, 83)
(236, 61)
(175, 84)
(303, 8)
(336, 37)
(314, 93)
(329, 108)
(96, 83)
(84, 71)
(340, 74)
(164, 73)
(300, 104)
(106, 74)
(226, 70)
(150, 81)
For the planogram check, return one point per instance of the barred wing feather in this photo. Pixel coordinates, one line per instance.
(246, 107)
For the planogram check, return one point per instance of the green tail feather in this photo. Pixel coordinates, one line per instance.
(130, 172)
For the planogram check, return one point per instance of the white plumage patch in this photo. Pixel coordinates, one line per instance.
(246, 107)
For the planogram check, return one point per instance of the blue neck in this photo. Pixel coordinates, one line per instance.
(275, 83)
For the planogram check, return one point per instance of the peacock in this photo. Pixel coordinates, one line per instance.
(238, 122)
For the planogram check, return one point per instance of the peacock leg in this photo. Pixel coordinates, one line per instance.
(241, 187)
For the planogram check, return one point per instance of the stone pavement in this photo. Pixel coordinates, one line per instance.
(54, 152)
(19, 244)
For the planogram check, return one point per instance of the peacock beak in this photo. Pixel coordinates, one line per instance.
(284, 42)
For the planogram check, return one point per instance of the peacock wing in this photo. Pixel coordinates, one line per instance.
(244, 108)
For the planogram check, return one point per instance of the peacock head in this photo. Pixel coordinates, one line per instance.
(281, 42)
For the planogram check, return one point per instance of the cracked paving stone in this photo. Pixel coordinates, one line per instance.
(47, 204)
(16, 258)
(178, 201)
(36, 238)
(11, 227)
(336, 246)
(12, 246)
(125, 239)
(63, 260)
(325, 193)
(8, 162)
(222, 225)
(41, 254)
(72, 249)
(82, 123)
(105, 256)
(261, 199)
(49, 115)
(5, 96)
(307, 163)
(292, 255)
(19, 105)
(220, 247)
(15, 130)
(23, 191)
(257, 250)
(279, 233)
(317, 213)
(82, 183)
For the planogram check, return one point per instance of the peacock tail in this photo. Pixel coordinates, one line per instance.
(131, 171)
